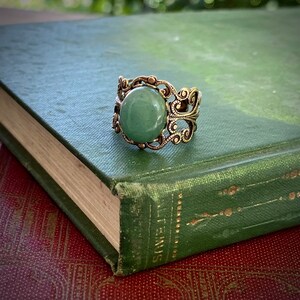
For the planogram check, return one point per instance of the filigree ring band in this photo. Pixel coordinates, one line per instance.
(148, 110)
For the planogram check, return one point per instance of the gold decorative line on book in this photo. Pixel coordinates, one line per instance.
(291, 175)
(207, 216)
(177, 230)
(230, 191)
(228, 212)
(233, 189)
(294, 195)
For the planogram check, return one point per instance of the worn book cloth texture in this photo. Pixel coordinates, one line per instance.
(237, 179)
(43, 256)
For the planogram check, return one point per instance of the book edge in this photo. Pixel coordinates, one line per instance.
(81, 221)
(78, 181)
(108, 181)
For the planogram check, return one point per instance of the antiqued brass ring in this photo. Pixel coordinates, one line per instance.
(149, 112)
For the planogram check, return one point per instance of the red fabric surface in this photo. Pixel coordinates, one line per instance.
(43, 256)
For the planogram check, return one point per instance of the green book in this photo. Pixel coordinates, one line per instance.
(239, 177)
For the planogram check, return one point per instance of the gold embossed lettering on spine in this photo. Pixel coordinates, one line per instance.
(181, 105)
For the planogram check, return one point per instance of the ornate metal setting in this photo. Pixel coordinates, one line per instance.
(181, 105)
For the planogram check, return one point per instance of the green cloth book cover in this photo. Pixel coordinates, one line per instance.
(238, 177)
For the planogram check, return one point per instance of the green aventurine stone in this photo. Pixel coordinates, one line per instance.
(143, 114)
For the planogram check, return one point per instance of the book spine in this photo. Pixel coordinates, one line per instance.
(163, 220)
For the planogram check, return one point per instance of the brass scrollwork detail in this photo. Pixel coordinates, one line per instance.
(182, 105)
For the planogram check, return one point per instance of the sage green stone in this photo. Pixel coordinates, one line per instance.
(143, 114)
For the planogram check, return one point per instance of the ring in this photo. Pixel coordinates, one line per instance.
(150, 113)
